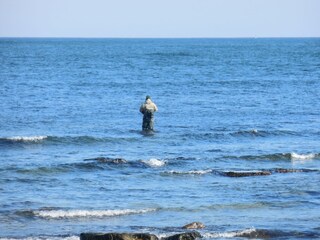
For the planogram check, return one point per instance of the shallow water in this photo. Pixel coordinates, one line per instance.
(70, 110)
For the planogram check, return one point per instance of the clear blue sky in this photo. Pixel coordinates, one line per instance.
(159, 18)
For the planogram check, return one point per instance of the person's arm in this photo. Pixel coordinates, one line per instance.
(142, 108)
(155, 107)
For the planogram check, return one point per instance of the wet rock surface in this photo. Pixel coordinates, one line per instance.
(263, 172)
(247, 174)
(194, 225)
(284, 170)
(138, 236)
(109, 160)
(117, 236)
(184, 236)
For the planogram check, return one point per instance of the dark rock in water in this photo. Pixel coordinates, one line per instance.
(194, 225)
(247, 174)
(184, 236)
(117, 236)
(110, 160)
(277, 234)
(283, 170)
(138, 236)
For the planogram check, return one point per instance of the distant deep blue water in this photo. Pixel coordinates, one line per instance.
(225, 105)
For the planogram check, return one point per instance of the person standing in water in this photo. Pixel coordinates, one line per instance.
(147, 109)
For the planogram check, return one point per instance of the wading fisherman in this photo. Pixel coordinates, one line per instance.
(147, 109)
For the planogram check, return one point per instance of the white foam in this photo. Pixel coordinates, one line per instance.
(295, 156)
(54, 214)
(200, 172)
(165, 235)
(228, 234)
(153, 162)
(27, 139)
(162, 235)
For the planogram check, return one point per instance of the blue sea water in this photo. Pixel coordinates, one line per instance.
(70, 111)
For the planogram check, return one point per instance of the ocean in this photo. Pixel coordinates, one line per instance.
(236, 143)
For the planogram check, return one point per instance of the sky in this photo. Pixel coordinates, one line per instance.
(159, 18)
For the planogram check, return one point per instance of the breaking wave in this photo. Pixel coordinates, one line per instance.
(153, 162)
(231, 234)
(31, 139)
(59, 214)
(296, 156)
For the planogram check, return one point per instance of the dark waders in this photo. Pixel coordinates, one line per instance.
(148, 121)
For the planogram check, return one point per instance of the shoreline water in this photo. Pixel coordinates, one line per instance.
(248, 233)
(236, 144)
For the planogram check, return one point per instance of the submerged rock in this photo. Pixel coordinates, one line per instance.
(247, 174)
(284, 170)
(194, 225)
(184, 236)
(117, 236)
(261, 234)
(110, 160)
(270, 234)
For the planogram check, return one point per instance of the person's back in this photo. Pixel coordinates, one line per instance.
(147, 109)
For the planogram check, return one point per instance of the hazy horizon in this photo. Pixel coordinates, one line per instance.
(165, 19)
(157, 38)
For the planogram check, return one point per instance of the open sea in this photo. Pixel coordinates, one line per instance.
(236, 143)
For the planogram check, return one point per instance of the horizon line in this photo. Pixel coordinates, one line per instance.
(64, 37)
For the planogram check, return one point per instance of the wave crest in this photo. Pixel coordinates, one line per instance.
(26, 138)
(153, 162)
(57, 214)
(296, 156)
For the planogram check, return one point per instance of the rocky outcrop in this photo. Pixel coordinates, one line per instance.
(117, 236)
(194, 225)
(247, 174)
(138, 236)
(184, 236)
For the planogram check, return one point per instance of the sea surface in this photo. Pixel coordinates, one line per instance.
(236, 143)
